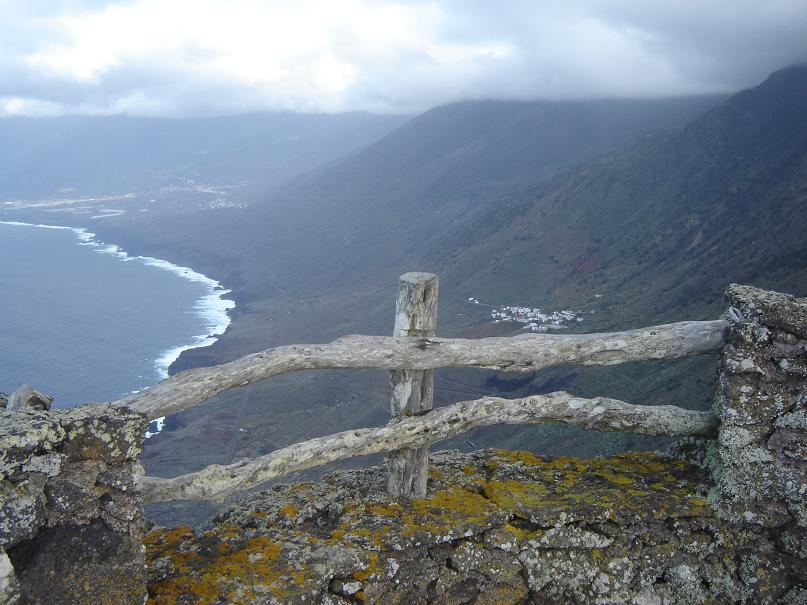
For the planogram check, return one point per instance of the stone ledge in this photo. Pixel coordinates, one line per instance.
(71, 519)
(774, 309)
(497, 527)
(761, 460)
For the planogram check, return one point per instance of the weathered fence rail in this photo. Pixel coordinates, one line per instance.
(523, 353)
(412, 353)
(600, 413)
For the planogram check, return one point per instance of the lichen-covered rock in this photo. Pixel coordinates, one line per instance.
(26, 397)
(778, 311)
(761, 456)
(9, 584)
(22, 510)
(26, 435)
(103, 432)
(71, 520)
(81, 564)
(496, 527)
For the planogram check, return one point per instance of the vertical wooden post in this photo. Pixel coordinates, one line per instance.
(412, 390)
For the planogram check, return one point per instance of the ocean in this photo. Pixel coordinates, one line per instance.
(85, 322)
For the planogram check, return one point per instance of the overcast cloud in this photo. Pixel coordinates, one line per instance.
(201, 57)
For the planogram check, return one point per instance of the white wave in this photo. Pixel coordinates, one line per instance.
(158, 427)
(19, 224)
(213, 307)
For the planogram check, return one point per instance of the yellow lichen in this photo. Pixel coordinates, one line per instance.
(525, 457)
(445, 510)
(251, 565)
(619, 480)
(227, 565)
(522, 534)
(512, 495)
(375, 536)
(636, 493)
(393, 509)
(371, 568)
(290, 511)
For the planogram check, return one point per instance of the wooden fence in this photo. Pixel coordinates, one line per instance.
(411, 355)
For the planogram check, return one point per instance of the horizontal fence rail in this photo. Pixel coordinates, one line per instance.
(525, 353)
(600, 413)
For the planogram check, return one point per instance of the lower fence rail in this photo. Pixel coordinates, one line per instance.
(216, 482)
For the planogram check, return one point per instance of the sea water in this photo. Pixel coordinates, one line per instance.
(85, 322)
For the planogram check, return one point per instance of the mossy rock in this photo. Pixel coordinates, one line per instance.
(492, 520)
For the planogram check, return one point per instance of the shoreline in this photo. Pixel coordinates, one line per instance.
(213, 308)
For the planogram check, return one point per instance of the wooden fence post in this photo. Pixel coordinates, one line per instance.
(412, 390)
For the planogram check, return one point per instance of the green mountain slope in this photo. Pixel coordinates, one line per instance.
(660, 229)
(378, 207)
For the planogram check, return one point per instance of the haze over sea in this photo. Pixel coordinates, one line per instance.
(82, 321)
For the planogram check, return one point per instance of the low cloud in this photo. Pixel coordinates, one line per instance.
(200, 57)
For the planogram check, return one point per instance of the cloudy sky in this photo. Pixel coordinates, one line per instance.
(202, 57)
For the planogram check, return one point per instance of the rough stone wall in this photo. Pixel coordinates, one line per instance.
(71, 524)
(761, 455)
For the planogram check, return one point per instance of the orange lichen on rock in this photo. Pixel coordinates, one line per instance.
(212, 568)
(271, 548)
